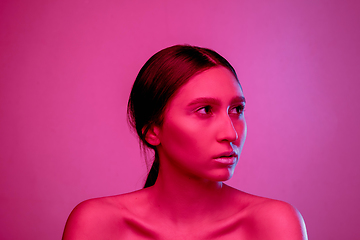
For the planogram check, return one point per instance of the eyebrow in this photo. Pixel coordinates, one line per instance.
(211, 100)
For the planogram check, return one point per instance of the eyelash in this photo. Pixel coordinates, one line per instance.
(239, 109)
(208, 110)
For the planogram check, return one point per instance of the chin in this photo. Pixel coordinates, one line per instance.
(223, 179)
(222, 176)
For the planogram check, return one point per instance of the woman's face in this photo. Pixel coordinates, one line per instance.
(204, 127)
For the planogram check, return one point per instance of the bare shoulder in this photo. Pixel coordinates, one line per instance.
(273, 219)
(99, 218)
(90, 218)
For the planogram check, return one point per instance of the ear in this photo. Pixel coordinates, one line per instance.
(152, 135)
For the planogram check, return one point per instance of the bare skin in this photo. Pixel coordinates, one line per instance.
(136, 216)
(199, 144)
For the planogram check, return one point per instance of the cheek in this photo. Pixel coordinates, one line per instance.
(180, 138)
(241, 129)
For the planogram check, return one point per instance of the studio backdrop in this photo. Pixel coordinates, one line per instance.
(67, 67)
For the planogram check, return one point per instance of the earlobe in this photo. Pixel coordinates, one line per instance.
(152, 135)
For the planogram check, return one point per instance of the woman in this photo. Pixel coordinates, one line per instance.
(187, 105)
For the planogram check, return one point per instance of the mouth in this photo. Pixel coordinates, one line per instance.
(227, 158)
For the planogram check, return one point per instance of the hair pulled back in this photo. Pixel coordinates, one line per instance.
(158, 80)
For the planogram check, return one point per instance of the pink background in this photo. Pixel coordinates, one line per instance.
(66, 69)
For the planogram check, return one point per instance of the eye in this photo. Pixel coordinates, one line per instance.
(206, 110)
(238, 110)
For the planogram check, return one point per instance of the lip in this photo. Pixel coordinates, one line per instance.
(230, 157)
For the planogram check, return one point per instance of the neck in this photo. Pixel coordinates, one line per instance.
(185, 199)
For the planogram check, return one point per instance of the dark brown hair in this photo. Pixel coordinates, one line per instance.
(158, 80)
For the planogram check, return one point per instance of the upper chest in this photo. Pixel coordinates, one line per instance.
(235, 227)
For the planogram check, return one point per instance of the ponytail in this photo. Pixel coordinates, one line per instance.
(153, 173)
(157, 82)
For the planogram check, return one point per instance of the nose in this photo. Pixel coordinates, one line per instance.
(227, 131)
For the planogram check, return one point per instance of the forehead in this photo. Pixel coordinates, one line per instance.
(217, 82)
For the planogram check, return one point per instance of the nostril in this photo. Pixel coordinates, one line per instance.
(227, 130)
